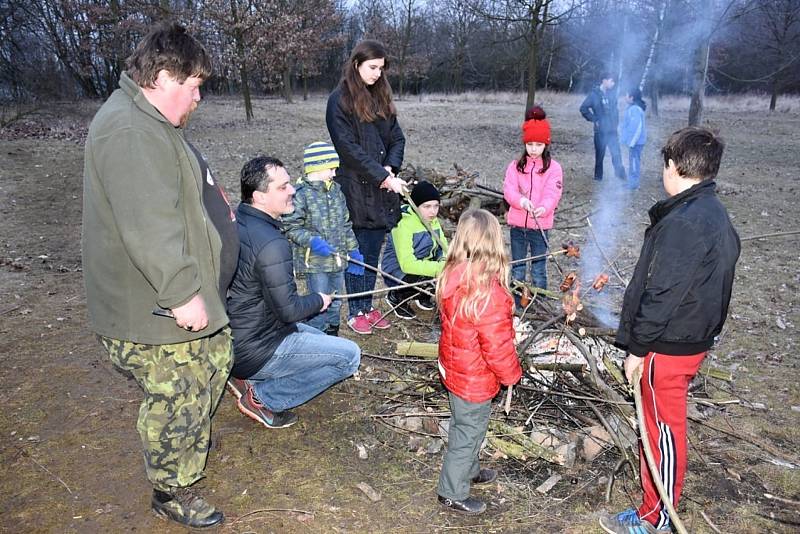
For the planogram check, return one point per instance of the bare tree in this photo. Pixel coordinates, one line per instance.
(651, 59)
(772, 28)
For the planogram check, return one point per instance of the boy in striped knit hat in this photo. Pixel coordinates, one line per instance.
(321, 233)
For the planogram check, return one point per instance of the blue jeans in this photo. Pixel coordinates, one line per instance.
(326, 283)
(305, 364)
(634, 166)
(370, 242)
(526, 242)
(601, 141)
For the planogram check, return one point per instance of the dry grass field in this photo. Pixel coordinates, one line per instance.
(70, 453)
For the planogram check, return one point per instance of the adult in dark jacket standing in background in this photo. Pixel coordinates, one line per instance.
(158, 233)
(600, 108)
(362, 122)
(278, 363)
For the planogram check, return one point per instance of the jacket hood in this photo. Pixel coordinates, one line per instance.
(454, 280)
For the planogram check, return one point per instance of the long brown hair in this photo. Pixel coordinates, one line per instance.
(367, 102)
(479, 244)
(523, 159)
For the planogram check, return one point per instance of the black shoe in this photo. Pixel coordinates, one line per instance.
(424, 302)
(485, 476)
(400, 310)
(183, 506)
(469, 506)
(332, 330)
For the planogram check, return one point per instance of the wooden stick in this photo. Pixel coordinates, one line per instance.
(379, 290)
(507, 405)
(547, 243)
(537, 257)
(709, 523)
(610, 263)
(385, 274)
(774, 234)
(648, 453)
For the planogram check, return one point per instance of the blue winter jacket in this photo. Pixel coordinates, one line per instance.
(633, 131)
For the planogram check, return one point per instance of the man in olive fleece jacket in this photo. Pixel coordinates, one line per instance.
(158, 234)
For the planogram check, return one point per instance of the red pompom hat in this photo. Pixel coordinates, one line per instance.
(536, 128)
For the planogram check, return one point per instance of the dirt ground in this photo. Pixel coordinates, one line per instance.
(71, 459)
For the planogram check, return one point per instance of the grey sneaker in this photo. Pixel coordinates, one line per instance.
(250, 406)
(628, 522)
(183, 506)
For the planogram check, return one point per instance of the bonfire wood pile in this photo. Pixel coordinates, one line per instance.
(571, 409)
(460, 190)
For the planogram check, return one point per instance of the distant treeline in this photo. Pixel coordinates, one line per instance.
(73, 48)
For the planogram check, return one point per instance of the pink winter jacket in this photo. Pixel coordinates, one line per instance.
(543, 190)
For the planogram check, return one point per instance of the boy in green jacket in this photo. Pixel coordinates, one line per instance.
(321, 233)
(412, 254)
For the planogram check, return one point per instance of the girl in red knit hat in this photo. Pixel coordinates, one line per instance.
(532, 187)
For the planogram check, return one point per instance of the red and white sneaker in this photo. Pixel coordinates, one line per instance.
(377, 320)
(360, 324)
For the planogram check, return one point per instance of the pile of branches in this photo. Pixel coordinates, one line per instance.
(460, 191)
(572, 406)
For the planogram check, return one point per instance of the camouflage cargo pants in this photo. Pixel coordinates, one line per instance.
(182, 385)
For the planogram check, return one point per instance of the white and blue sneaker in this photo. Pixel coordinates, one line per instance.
(628, 522)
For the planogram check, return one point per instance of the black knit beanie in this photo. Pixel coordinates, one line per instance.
(423, 192)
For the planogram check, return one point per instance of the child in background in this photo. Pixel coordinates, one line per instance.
(320, 230)
(532, 188)
(674, 307)
(476, 350)
(412, 254)
(633, 134)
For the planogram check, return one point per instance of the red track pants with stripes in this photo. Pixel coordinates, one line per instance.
(665, 386)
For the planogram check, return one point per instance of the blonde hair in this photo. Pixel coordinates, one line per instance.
(478, 243)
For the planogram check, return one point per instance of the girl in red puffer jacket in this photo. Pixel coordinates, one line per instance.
(476, 350)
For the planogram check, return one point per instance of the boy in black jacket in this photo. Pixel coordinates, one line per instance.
(673, 309)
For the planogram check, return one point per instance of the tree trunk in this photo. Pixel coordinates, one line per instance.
(404, 46)
(244, 75)
(776, 85)
(533, 52)
(654, 96)
(532, 64)
(305, 85)
(551, 55)
(287, 84)
(621, 50)
(653, 45)
(700, 66)
(699, 83)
